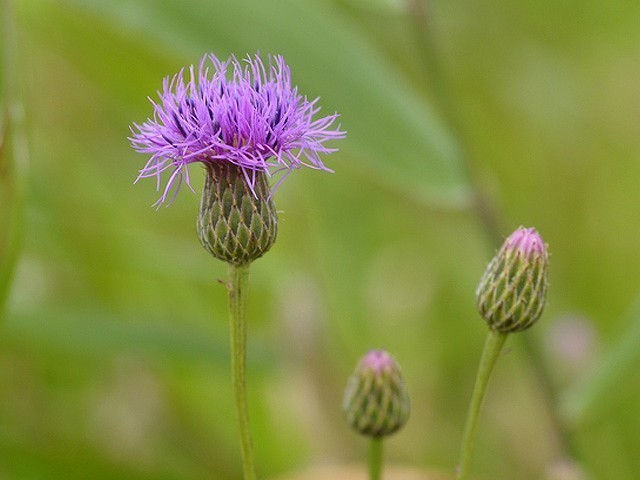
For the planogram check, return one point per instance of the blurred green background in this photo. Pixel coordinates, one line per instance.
(113, 348)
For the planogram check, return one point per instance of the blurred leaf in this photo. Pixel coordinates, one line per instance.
(14, 155)
(41, 462)
(599, 390)
(97, 335)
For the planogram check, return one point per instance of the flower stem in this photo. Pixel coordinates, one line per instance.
(492, 348)
(238, 286)
(375, 458)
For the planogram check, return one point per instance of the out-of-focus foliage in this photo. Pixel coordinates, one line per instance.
(113, 352)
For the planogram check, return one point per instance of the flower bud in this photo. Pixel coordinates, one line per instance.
(376, 400)
(237, 222)
(512, 291)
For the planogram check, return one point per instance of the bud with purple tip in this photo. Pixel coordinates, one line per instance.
(512, 292)
(376, 400)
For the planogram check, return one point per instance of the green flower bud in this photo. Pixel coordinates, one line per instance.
(237, 221)
(376, 401)
(512, 292)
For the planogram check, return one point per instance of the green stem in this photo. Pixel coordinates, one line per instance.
(238, 286)
(492, 348)
(542, 376)
(375, 458)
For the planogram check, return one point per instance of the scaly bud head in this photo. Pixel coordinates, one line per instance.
(512, 292)
(237, 222)
(376, 400)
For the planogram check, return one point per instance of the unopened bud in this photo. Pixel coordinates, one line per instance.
(237, 222)
(512, 292)
(376, 401)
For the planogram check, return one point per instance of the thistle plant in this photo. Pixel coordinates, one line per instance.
(510, 297)
(376, 403)
(244, 122)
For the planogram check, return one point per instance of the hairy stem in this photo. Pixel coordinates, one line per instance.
(238, 286)
(492, 348)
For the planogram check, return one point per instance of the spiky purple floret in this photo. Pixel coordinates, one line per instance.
(377, 361)
(242, 112)
(527, 241)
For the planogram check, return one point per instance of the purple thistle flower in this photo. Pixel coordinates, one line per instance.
(244, 113)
